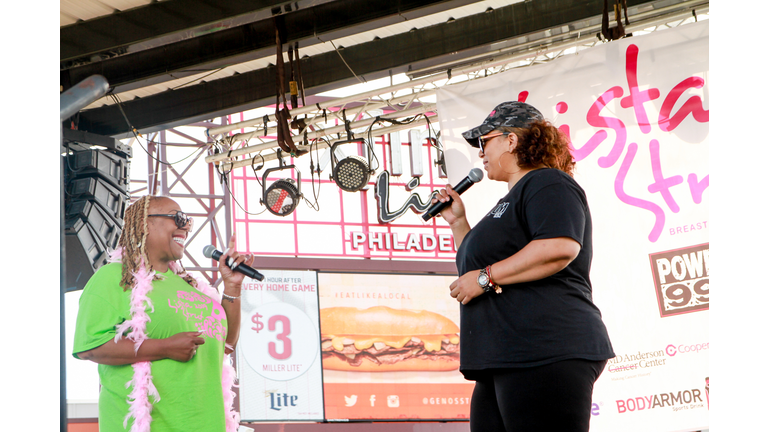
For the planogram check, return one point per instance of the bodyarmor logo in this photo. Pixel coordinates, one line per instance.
(682, 400)
(682, 279)
(499, 210)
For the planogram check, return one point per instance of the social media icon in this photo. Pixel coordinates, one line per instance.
(393, 401)
(350, 400)
(373, 399)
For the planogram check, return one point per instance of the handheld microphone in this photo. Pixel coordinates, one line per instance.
(474, 176)
(211, 252)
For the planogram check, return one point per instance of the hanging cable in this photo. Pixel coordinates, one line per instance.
(198, 79)
(225, 181)
(256, 169)
(136, 135)
(315, 193)
(362, 81)
(438, 145)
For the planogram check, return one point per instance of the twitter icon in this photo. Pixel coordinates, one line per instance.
(350, 400)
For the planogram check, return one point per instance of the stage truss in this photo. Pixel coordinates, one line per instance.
(189, 163)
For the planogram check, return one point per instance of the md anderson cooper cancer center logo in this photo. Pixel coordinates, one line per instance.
(641, 364)
(681, 277)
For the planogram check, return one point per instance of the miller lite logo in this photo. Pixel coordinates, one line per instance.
(681, 277)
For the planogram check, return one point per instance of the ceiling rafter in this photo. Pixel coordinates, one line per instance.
(468, 40)
(156, 20)
(223, 44)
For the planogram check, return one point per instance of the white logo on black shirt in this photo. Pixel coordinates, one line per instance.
(499, 210)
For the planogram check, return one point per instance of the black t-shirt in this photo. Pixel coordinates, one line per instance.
(539, 322)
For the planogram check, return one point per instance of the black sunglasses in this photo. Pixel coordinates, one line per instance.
(482, 140)
(179, 217)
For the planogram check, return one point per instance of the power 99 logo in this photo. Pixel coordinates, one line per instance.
(681, 277)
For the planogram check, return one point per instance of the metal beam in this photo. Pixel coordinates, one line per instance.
(119, 31)
(230, 164)
(212, 210)
(238, 44)
(454, 39)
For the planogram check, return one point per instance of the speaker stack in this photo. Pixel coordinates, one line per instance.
(96, 194)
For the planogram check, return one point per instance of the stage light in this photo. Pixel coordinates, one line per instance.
(352, 173)
(282, 197)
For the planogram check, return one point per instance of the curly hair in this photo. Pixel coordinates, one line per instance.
(542, 143)
(133, 241)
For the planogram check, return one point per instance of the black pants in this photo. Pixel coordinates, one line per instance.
(550, 398)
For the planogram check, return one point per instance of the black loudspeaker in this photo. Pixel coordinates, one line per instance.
(85, 254)
(112, 167)
(96, 190)
(96, 195)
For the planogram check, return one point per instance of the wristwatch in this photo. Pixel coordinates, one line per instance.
(485, 281)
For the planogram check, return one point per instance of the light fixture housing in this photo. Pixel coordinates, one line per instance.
(352, 173)
(282, 196)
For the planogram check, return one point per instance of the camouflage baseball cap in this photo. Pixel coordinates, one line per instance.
(506, 114)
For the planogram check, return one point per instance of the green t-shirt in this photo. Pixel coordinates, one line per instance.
(191, 397)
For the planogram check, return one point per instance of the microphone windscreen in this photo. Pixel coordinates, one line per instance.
(475, 174)
(208, 251)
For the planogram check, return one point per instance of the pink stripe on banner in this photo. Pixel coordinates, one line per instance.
(618, 187)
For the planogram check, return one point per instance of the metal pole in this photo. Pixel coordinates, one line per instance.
(83, 94)
(62, 291)
(228, 165)
(70, 102)
(319, 133)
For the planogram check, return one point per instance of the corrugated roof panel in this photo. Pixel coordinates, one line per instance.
(84, 9)
(429, 20)
(65, 19)
(144, 92)
(312, 50)
(239, 68)
(122, 5)
(254, 64)
(384, 32)
(316, 49)
(72, 10)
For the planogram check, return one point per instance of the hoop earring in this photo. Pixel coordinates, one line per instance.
(502, 168)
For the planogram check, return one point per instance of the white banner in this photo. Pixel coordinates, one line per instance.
(636, 111)
(278, 355)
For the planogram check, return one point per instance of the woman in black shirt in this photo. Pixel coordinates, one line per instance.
(531, 337)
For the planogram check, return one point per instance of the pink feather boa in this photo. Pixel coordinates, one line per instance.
(140, 408)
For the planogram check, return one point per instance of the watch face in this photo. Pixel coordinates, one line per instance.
(482, 279)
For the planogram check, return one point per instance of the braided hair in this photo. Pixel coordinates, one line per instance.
(133, 241)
